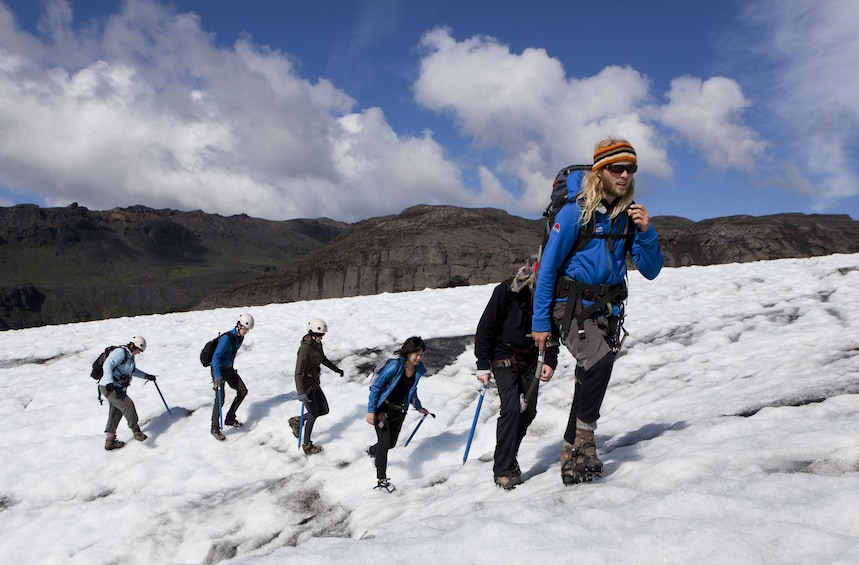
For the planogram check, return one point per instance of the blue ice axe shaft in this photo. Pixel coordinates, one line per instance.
(162, 398)
(300, 425)
(421, 421)
(474, 423)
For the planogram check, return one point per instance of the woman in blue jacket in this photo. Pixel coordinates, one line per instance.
(395, 387)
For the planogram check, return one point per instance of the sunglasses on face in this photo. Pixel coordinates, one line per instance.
(618, 169)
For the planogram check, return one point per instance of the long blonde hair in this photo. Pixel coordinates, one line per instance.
(590, 196)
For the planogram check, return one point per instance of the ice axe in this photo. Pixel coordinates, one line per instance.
(474, 423)
(421, 421)
(535, 384)
(162, 397)
(300, 425)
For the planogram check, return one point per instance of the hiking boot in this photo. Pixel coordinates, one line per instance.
(310, 449)
(295, 423)
(508, 483)
(138, 435)
(568, 459)
(385, 485)
(112, 443)
(218, 435)
(234, 424)
(579, 461)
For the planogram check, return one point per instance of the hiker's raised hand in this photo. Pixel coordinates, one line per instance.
(640, 216)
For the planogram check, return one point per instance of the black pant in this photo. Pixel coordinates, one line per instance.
(232, 378)
(512, 422)
(589, 393)
(316, 405)
(388, 426)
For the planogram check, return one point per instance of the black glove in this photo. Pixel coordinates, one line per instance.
(150, 377)
(217, 383)
(108, 389)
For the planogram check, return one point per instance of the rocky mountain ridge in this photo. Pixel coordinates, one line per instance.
(71, 264)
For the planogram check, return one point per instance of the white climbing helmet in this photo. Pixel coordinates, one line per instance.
(246, 321)
(139, 342)
(317, 326)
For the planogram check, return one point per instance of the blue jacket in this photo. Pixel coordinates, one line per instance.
(387, 380)
(119, 367)
(594, 264)
(225, 353)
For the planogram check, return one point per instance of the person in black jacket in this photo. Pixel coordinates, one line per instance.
(308, 381)
(505, 349)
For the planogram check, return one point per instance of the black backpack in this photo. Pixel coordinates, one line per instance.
(208, 350)
(98, 365)
(573, 175)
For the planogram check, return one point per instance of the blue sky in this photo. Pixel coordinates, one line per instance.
(353, 109)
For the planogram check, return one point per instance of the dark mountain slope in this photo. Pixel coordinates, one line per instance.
(71, 264)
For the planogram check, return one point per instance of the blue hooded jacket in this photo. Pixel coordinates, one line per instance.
(595, 263)
(119, 367)
(387, 380)
(225, 353)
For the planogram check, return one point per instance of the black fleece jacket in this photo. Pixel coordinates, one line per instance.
(505, 328)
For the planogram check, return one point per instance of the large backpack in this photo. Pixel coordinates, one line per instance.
(573, 175)
(98, 365)
(379, 366)
(97, 371)
(208, 350)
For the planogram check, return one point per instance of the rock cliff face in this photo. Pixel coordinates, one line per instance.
(71, 264)
(442, 246)
(740, 239)
(423, 247)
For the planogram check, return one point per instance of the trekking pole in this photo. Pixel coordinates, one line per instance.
(474, 423)
(535, 384)
(220, 409)
(162, 397)
(421, 421)
(300, 425)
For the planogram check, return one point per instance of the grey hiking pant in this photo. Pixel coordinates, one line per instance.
(594, 364)
(120, 404)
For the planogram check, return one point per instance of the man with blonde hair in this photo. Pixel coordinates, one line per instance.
(581, 289)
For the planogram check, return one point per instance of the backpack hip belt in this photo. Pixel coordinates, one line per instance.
(519, 361)
(599, 295)
(391, 407)
(504, 363)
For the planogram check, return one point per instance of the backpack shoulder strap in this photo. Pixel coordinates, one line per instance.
(233, 342)
(586, 233)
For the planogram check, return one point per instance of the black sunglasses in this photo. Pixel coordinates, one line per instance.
(618, 169)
